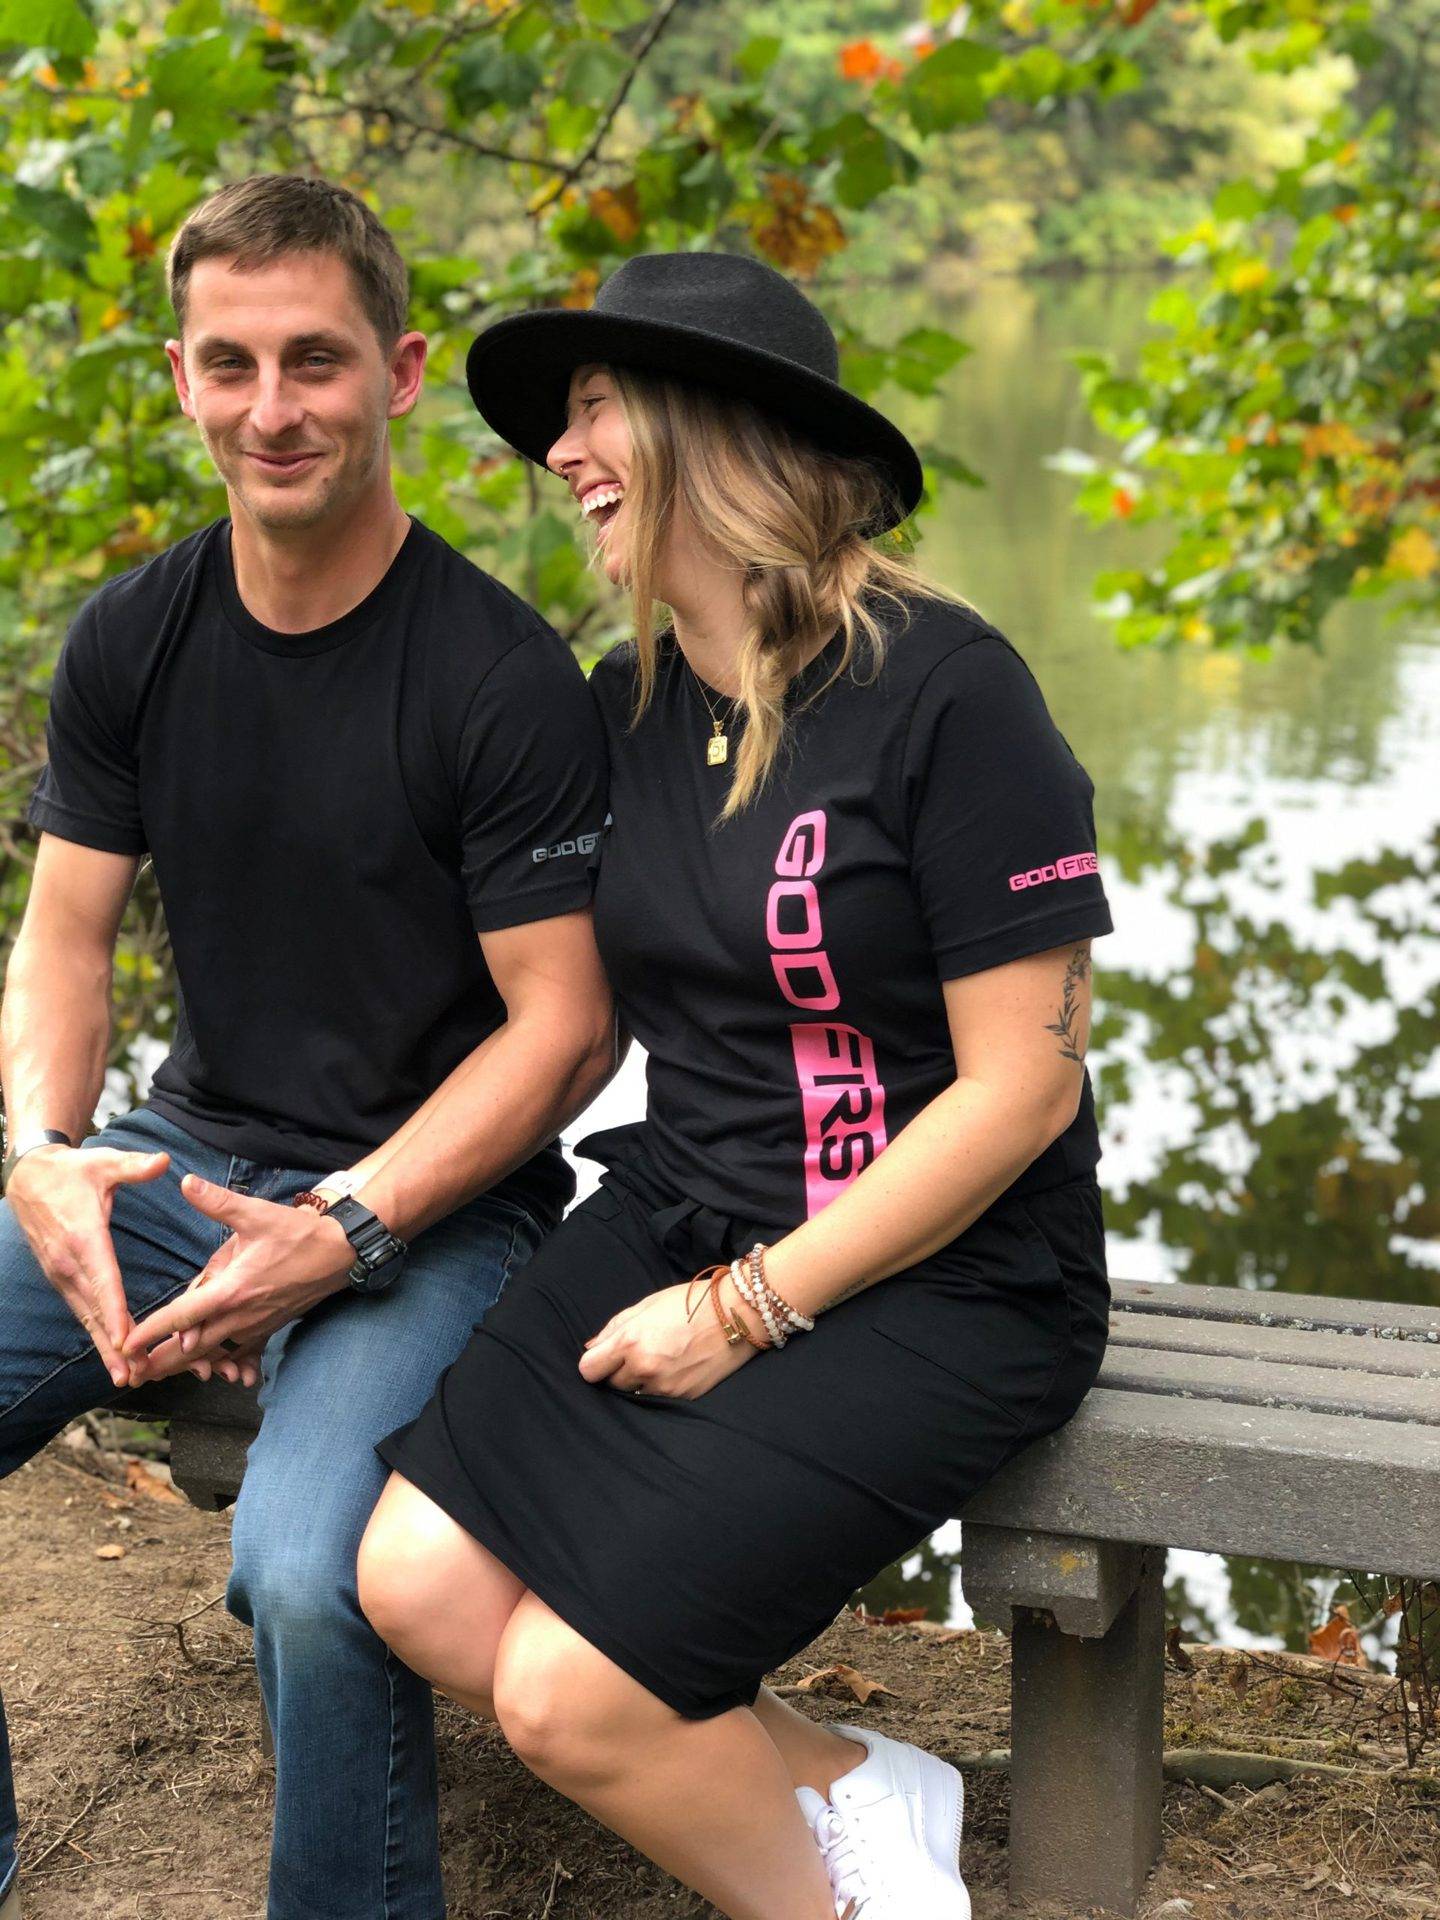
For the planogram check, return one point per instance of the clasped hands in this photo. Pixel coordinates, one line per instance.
(277, 1263)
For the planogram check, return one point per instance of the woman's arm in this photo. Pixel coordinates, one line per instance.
(1019, 1033)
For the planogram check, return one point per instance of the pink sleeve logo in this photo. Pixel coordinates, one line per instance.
(841, 1096)
(1072, 866)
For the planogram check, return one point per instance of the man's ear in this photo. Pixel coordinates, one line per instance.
(407, 373)
(175, 353)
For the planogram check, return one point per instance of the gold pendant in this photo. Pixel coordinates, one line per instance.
(717, 748)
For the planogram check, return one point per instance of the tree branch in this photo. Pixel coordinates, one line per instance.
(572, 173)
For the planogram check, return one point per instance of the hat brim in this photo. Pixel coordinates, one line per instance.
(519, 369)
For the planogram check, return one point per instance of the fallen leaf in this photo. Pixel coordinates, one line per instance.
(1338, 1641)
(902, 1616)
(841, 1679)
(113, 1552)
(1239, 1678)
(1176, 1652)
(143, 1477)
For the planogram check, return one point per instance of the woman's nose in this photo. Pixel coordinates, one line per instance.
(565, 452)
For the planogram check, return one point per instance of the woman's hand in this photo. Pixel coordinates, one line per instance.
(656, 1347)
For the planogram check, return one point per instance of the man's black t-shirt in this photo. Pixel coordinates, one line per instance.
(333, 817)
(783, 970)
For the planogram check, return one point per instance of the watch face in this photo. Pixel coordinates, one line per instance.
(365, 1278)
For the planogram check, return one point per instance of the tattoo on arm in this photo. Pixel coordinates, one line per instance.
(858, 1287)
(1068, 1025)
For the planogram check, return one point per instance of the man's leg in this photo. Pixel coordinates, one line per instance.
(49, 1369)
(356, 1816)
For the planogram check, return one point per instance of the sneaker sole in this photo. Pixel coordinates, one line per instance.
(943, 1804)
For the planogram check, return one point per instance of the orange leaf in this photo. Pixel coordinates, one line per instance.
(841, 1679)
(141, 1478)
(1338, 1641)
(112, 1552)
(617, 208)
(860, 60)
(902, 1616)
(1123, 501)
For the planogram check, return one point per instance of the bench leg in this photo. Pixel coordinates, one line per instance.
(1087, 1744)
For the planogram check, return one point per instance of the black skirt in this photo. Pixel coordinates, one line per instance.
(700, 1544)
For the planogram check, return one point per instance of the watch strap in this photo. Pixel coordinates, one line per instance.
(375, 1245)
(27, 1143)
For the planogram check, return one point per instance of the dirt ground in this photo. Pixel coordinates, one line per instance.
(144, 1794)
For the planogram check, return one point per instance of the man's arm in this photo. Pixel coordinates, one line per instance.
(549, 1059)
(54, 1039)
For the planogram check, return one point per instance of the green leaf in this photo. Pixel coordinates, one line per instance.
(65, 220)
(592, 72)
(193, 16)
(870, 160)
(757, 56)
(946, 89)
(614, 15)
(60, 26)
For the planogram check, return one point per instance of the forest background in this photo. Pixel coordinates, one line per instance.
(1265, 171)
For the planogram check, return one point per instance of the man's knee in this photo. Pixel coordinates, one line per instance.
(293, 1585)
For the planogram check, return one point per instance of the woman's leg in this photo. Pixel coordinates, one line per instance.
(434, 1595)
(711, 1801)
(813, 1755)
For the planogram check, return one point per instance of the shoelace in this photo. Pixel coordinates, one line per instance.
(847, 1881)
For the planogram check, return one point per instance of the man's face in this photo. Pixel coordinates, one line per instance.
(283, 373)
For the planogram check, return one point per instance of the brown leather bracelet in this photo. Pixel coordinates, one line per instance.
(734, 1328)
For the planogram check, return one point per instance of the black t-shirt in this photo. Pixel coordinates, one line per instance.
(783, 971)
(333, 817)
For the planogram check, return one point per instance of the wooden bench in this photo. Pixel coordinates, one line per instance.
(1275, 1425)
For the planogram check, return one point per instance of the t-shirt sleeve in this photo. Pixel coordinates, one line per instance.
(1000, 816)
(533, 777)
(89, 790)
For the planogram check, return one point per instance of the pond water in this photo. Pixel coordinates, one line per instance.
(1279, 1127)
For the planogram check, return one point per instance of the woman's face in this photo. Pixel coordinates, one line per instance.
(592, 456)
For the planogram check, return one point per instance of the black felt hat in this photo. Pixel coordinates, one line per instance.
(718, 319)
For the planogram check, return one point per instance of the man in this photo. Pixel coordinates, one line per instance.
(369, 778)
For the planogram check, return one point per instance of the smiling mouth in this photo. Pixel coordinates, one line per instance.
(600, 506)
(281, 462)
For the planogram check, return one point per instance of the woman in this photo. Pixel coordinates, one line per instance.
(846, 904)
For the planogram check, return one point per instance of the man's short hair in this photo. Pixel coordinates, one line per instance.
(258, 220)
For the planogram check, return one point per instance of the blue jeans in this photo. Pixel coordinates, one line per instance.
(356, 1803)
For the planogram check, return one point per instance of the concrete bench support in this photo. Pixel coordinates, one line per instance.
(1086, 1709)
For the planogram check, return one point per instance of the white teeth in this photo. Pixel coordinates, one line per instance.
(601, 497)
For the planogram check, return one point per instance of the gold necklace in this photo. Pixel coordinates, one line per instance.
(717, 747)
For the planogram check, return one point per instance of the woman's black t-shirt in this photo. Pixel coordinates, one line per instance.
(783, 970)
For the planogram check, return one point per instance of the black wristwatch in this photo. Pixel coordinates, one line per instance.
(379, 1253)
(26, 1143)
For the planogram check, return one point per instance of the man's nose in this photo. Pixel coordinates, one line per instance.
(276, 408)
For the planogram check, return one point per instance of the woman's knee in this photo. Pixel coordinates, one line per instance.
(561, 1704)
(433, 1594)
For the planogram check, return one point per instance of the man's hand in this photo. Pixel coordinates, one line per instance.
(280, 1262)
(62, 1198)
(656, 1347)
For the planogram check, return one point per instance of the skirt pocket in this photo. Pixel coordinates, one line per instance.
(990, 1310)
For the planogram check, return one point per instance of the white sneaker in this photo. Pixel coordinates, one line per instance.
(852, 1901)
(895, 1842)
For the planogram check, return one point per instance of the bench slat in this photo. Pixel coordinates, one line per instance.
(1279, 1484)
(1271, 1308)
(1265, 1383)
(1285, 1346)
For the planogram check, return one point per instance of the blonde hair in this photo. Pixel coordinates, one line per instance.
(793, 520)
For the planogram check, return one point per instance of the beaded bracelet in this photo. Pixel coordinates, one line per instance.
(754, 1296)
(801, 1322)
